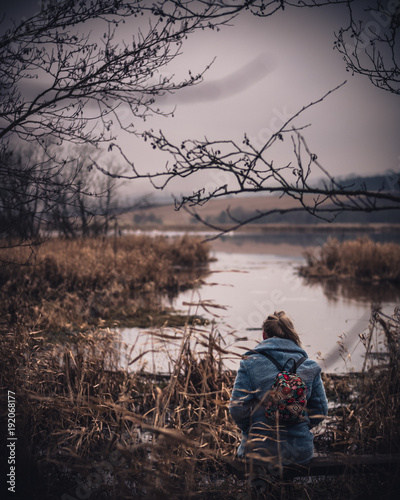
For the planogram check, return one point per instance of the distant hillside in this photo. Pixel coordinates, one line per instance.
(388, 181)
(225, 211)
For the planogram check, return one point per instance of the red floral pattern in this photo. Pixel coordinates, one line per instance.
(287, 399)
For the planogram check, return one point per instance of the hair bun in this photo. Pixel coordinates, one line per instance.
(280, 325)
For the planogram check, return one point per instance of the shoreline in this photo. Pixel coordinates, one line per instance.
(260, 248)
(265, 228)
(286, 240)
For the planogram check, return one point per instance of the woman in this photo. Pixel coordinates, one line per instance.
(261, 437)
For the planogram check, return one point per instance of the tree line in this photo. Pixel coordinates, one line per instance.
(70, 82)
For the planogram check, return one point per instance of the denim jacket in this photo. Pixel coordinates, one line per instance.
(254, 379)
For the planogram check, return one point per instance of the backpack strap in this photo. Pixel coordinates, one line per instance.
(279, 366)
(296, 364)
(271, 358)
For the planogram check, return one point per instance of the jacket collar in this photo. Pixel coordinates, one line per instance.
(282, 345)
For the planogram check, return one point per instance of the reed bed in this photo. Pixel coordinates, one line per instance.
(88, 429)
(70, 284)
(360, 259)
(367, 405)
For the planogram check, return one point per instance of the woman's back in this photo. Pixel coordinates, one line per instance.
(255, 378)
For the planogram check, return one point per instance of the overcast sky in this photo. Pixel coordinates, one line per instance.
(264, 71)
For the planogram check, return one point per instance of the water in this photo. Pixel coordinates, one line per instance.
(252, 285)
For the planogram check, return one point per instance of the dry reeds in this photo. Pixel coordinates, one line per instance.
(365, 411)
(88, 429)
(361, 259)
(93, 430)
(133, 435)
(69, 284)
(368, 405)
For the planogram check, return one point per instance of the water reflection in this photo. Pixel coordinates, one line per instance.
(372, 293)
(252, 276)
(304, 238)
(329, 316)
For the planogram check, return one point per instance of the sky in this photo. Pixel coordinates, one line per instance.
(283, 63)
(265, 70)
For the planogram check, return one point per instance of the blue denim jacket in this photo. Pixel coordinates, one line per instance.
(254, 379)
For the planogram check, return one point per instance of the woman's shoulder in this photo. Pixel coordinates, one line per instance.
(282, 350)
(276, 345)
(310, 364)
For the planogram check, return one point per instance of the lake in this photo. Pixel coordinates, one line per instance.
(252, 277)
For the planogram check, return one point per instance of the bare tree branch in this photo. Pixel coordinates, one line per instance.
(250, 170)
(69, 77)
(370, 43)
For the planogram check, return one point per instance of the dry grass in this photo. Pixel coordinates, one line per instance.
(359, 259)
(368, 405)
(70, 284)
(90, 430)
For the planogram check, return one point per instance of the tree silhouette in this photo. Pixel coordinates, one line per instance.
(68, 78)
(369, 48)
(369, 43)
(70, 75)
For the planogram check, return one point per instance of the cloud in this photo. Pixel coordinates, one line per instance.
(232, 84)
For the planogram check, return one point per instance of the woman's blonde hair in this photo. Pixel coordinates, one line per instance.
(280, 325)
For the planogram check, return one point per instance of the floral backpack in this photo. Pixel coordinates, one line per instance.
(287, 399)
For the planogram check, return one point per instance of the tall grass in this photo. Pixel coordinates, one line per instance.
(368, 405)
(70, 284)
(360, 259)
(87, 429)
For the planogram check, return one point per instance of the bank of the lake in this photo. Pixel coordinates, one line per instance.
(88, 426)
(78, 284)
(246, 286)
